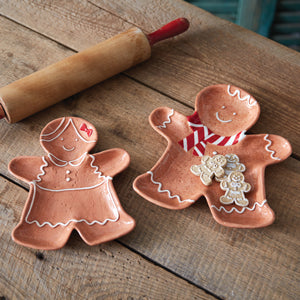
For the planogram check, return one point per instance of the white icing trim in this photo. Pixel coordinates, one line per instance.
(168, 121)
(96, 168)
(167, 191)
(65, 162)
(250, 101)
(223, 121)
(69, 122)
(42, 170)
(66, 149)
(239, 211)
(72, 220)
(60, 124)
(72, 189)
(34, 184)
(269, 150)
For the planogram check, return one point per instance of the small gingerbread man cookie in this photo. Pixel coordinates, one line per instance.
(235, 187)
(233, 164)
(210, 167)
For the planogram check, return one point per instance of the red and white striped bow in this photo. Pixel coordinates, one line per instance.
(203, 135)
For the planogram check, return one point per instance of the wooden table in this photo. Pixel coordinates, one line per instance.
(170, 254)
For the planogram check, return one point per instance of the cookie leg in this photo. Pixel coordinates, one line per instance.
(206, 179)
(160, 193)
(242, 201)
(44, 238)
(256, 214)
(226, 200)
(96, 234)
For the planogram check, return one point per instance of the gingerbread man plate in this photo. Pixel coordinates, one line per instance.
(193, 163)
(70, 188)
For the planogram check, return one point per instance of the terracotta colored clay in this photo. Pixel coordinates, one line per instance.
(222, 115)
(70, 189)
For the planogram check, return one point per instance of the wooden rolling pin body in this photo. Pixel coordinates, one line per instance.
(48, 86)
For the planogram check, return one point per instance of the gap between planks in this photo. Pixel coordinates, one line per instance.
(168, 270)
(75, 51)
(132, 250)
(39, 33)
(124, 19)
(294, 155)
(116, 15)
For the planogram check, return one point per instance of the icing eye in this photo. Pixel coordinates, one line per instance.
(76, 140)
(223, 106)
(234, 113)
(62, 139)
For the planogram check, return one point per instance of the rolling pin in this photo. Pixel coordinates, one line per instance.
(80, 71)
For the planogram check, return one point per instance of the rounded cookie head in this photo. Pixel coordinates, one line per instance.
(232, 158)
(219, 160)
(226, 110)
(68, 138)
(236, 177)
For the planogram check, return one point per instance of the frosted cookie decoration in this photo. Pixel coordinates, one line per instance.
(210, 167)
(223, 114)
(235, 187)
(70, 188)
(232, 164)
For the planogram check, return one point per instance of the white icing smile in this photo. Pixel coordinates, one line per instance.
(223, 121)
(66, 149)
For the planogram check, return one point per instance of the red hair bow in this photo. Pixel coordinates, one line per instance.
(83, 127)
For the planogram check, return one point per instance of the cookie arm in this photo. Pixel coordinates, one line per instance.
(223, 185)
(26, 168)
(276, 148)
(112, 161)
(169, 123)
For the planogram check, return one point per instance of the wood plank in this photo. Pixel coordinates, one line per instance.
(107, 105)
(255, 63)
(108, 271)
(228, 262)
(202, 56)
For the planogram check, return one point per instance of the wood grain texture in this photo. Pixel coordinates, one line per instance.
(108, 271)
(212, 51)
(231, 263)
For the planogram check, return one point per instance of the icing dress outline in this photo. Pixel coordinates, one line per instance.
(70, 189)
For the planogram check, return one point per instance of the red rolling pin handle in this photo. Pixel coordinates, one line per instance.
(169, 30)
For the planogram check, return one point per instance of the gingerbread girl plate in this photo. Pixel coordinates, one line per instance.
(209, 154)
(70, 189)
